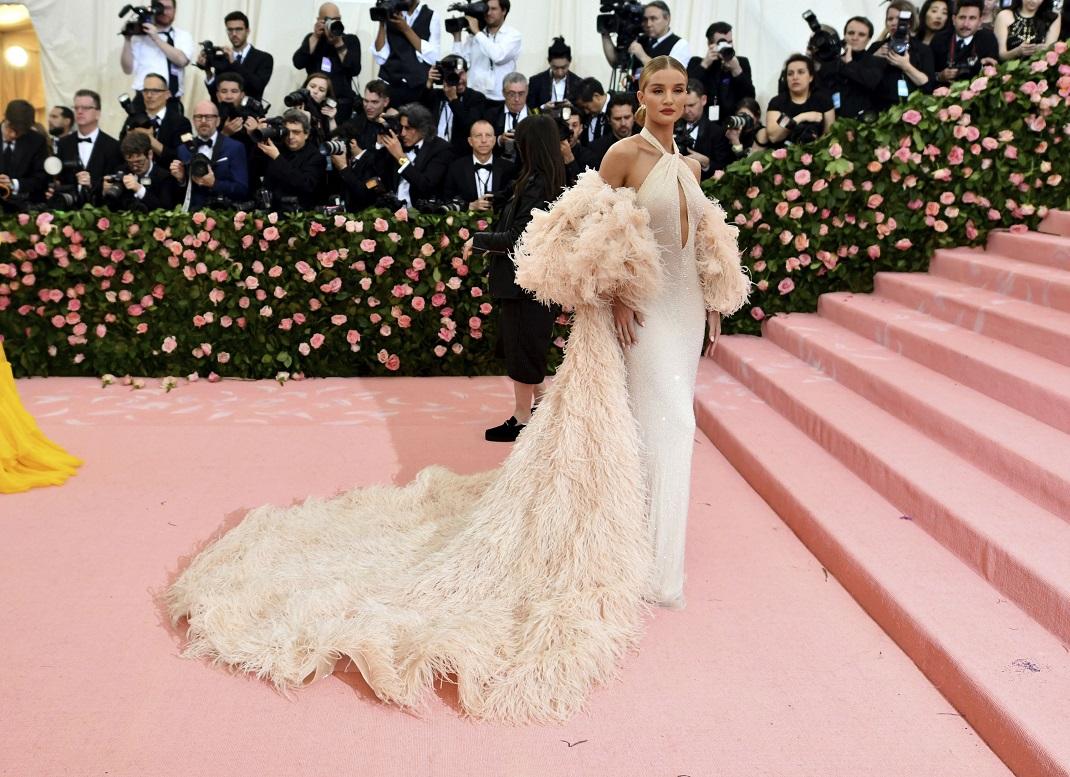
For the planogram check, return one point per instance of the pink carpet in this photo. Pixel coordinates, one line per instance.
(773, 668)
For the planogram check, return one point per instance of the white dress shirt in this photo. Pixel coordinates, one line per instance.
(592, 125)
(445, 121)
(403, 184)
(207, 150)
(557, 89)
(510, 123)
(149, 58)
(428, 53)
(490, 59)
(484, 179)
(85, 150)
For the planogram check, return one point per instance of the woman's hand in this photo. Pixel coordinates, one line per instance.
(713, 318)
(329, 111)
(466, 252)
(624, 324)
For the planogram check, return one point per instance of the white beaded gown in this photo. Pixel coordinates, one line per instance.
(663, 364)
(525, 586)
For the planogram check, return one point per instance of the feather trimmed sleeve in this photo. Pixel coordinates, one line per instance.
(725, 283)
(593, 244)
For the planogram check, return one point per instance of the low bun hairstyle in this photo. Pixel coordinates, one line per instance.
(653, 66)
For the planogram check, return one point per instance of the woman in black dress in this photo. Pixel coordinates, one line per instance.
(1026, 27)
(526, 326)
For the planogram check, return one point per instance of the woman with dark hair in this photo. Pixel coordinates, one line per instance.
(934, 18)
(526, 326)
(1026, 27)
(800, 113)
(321, 106)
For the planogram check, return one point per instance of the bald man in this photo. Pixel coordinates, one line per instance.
(227, 175)
(336, 55)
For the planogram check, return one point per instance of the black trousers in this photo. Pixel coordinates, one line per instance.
(526, 331)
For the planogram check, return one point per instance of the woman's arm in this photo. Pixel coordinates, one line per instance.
(830, 119)
(1054, 31)
(1001, 28)
(512, 226)
(773, 131)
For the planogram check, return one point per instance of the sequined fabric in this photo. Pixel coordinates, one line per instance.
(662, 367)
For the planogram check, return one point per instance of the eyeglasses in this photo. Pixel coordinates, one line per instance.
(205, 116)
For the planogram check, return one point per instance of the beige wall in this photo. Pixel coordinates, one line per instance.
(25, 82)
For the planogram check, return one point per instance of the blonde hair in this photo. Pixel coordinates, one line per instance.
(656, 65)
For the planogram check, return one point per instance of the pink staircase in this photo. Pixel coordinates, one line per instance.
(918, 441)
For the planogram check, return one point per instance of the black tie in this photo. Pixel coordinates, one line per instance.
(514, 115)
(8, 163)
(201, 142)
(156, 123)
(960, 42)
(85, 140)
(487, 167)
(237, 59)
(172, 77)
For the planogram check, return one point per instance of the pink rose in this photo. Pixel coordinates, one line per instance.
(352, 337)
(271, 233)
(802, 177)
(912, 117)
(393, 363)
(316, 340)
(874, 201)
(169, 345)
(756, 168)
(836, 151)
(757, 313)
(381, 225)
(103, 224)
(304, 349)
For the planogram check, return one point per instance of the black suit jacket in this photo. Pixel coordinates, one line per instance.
(298, 174)
(161, 193)
(968, 60)
(342, 75)
(28, 165)
(500, 242)
(231, 173)
(105, 159)
(461, 178)
(540, 88)
(601, 127)
(255, 70)
(427, 172)
(712, 143)
(469, 106)
(172, 128)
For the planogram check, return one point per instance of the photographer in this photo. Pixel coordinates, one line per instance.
(962, 51)
(700, 138)
(577, 156)
(851, 77)
(558, 84)
(907, 62)
(337, 56)
(414, 161)
(22, 156)
(798, 114)
(317, 98)
(591, 98)
(376, 100)
(477, 177)
(159, 47)
(144, 185)
(296, 173)
(405, 48)
(491, 48)
(211, 166)
(238, 116)
(89, 153)
(161, 122)
(1025, 28)
(505, 117)
(454, 107)
(726, 79)
(620, 113)
(60, 123)
(253, 65)
(657, 40)
(744, 130)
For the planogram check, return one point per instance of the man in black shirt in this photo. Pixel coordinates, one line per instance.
(60, 123)
(406, 47)
(22, 155)
(706, 140)
(146, 185)
(253, 65)
(559, 83)
(454, 107)
(168, 125)
(577, 156)
(591, 98)
(296, 173)
(852, 77)
(960, 51)
(726, 79)
(337, 56)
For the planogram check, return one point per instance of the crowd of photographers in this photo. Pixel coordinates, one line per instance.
(436, 132)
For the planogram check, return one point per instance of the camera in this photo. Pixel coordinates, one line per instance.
(383, 10)
(334, 147)
(740, 121)
(478, 11)
(136, 119)
(682, 137)
(199, 166)
(390, 124)
(452, 205)
(298, 99)
(561, 111)
(112, 185)
(899, 43)
(825, 45)
(622, 17)
(142, 15)
(335, 206)
(275, 129)
(215, 58)
(448, 71)
(725, 49)
(249, 107)
(68, 197)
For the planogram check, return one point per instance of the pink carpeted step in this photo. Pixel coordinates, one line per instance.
(1029, 383)
(1043, 331)
(1016, 545)
(1021, 452)
(1057, 222)
(1032, 247)
(1040, 285)
(977, 648)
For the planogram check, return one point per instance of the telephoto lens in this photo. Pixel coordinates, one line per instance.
(333, 147)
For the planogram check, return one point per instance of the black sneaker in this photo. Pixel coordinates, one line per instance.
(507, 432)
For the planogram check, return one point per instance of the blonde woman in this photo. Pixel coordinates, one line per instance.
(528, 584)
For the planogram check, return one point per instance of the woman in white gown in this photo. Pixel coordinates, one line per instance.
(525, 585)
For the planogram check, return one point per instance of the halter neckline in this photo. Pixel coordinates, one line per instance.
(649, 136)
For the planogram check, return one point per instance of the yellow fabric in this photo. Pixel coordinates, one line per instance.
(27, 458)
